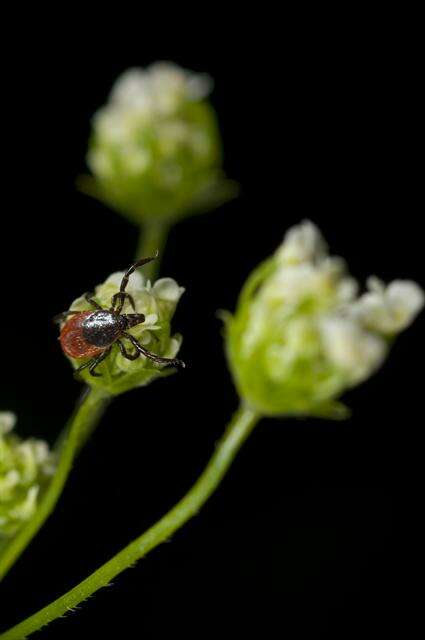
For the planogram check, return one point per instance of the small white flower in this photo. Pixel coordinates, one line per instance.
(7, 421)
(133, 90)
(167, 289)
(158, 89)
(302, 243)
(24, 510)
(319, 283)
(355, 351)
(100, 163)
(389, 309)
(168, 78)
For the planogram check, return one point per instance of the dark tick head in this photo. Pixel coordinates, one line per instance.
(133, 319)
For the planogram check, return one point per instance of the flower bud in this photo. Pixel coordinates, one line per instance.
(25, 467)
(157, 302)
(301, 336)
(155, 150)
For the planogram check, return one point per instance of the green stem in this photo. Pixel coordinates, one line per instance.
(152, 237)
(86, 416)
(237, 432)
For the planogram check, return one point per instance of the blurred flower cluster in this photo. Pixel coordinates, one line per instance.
(301, 334)
(155, 149)
(25, 466)
(158, 304)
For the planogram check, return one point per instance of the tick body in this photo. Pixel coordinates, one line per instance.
(73, 339)
(91, 334)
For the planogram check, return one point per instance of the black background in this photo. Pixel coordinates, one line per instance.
(299, 539)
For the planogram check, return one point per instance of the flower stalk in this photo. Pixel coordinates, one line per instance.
(240, 427)
(152, 238)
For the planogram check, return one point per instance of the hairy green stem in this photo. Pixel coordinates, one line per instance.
(152, 238)
(237, 432)
(86, 416)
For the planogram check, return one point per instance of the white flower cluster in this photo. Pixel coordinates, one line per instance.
(25, 465)
(353, 329)
(145, 98)
(158, 90)
(155, 139)
(301, 334)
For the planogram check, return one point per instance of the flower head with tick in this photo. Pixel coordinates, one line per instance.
(117, 350)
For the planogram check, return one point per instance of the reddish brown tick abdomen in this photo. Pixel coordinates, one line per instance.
(72, 341)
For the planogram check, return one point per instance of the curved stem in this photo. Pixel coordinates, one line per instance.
(86, 416)
(152, 237)
(238, 430)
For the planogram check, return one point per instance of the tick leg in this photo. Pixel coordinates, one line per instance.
(136, 265)
(97, 361)
(89, 363)
(120, 297)
(127, 354)
(93, 363)
(89, 299)
(152, 356)
(63, 316)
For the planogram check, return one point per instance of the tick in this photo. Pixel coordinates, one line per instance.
(92, 334)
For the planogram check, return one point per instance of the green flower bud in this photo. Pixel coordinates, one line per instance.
(155, 149)
(25, 467)
(300, 335)
(158, 303)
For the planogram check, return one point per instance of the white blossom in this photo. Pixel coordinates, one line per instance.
(358, 353)
(7, 421)
(302, 243)
(161, 87)
(389, 309)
